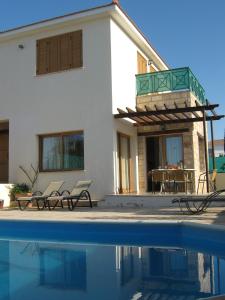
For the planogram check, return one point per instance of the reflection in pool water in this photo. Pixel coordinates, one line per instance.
(31, 270)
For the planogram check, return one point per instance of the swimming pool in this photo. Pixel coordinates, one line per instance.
(110, 260)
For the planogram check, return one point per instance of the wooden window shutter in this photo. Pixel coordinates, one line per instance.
(142, 64)
(42, 57)
(59, 53)
(76, 40)
(64, 52)
(53, 48)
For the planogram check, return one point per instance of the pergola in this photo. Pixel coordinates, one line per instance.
(177, 114)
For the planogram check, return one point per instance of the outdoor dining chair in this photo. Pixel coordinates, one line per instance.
(159, 177)
(183, 181)
(202, 180)
(79, 192)
(52, 189)
(199, 204)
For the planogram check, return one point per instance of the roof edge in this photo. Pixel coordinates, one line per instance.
(58, 17)
(116, 6)
(142, 35)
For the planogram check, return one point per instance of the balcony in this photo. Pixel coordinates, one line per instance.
(181, 79)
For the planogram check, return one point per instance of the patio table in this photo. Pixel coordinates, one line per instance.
(165, 175)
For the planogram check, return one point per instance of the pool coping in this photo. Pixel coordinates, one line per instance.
(122, 221)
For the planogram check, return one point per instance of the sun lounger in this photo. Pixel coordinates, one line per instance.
(79, 192)
(52, 189)
(199, 204)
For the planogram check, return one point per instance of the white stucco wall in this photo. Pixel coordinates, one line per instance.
(124, 68)
(78, 99)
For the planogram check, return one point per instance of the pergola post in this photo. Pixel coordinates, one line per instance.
(213, 148)
(206, 150)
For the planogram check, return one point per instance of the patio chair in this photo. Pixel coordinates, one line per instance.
(202, 180)
(183, 181)
(199, 204)
(179, 178)
(79, 192)
(158, 177)
(52, 189)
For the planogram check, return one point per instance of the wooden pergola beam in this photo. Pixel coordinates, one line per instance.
(165, 132)
(190, 120)
(183, 113)
(132, 118)
(172, 116)
(148, 118)
(166, 112)
(139, 119)
(156, 117)
(163, 117)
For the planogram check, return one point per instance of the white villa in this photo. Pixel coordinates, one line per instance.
(62, 81)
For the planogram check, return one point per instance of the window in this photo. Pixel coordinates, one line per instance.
(63, 269)
(127, 265)
(59, 53)
(141, 63)
(172, 263)
(61, 152)
(174, 150)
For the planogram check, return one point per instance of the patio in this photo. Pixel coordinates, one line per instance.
(214, 215)
(172, 148)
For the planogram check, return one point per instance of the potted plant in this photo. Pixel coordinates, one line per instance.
(19, 190)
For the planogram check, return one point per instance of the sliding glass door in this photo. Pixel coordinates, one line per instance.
(174, 150)
(124, 162)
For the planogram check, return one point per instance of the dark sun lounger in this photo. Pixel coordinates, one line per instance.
(199, 204)
(52, 189)
(80, 192)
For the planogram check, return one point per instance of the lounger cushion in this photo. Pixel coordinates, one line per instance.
(56, 198)
(30, 198)
(24, 199)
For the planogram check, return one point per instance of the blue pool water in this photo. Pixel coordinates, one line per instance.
(104, 261)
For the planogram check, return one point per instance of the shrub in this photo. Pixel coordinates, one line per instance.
(20, 188)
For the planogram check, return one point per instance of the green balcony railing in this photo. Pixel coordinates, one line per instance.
(170, 80)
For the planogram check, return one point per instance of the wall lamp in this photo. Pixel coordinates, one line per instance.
(21, 46)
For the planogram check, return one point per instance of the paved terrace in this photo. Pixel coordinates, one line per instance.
(214, 215)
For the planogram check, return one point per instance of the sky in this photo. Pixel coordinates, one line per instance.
(184, 32)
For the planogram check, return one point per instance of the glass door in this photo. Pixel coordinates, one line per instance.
(4, 156)
(174, 151)
(124, 163)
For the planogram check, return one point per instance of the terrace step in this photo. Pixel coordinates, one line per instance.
(148, 200)
(138, 201)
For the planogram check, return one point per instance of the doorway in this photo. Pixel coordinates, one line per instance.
(163, 152)
(4, 152)
(152, 159)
